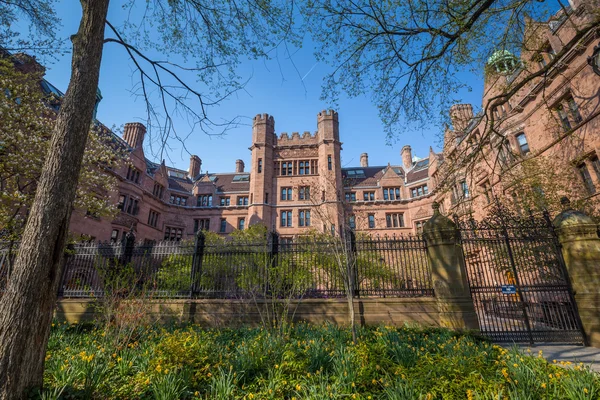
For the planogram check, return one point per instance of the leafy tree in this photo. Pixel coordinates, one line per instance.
(410, 56)
(26, 124)
(210, 35)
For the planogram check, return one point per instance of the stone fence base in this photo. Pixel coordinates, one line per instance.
(231, 313)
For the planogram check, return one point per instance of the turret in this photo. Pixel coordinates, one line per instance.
(195, 165)
(263, 129)
(134, 133)
(461, 115)
(364, 160)
(328, 125)
(406, 154)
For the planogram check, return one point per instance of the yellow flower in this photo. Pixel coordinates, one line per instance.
(250, 396)
(515, 365)
(158, 368)
(196, 393)
(298, 387)
(544, 385)
(353, 385)
(585, 390)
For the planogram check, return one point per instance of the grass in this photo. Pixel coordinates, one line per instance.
(311, 362)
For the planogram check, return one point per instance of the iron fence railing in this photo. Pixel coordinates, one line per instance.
(307, 268)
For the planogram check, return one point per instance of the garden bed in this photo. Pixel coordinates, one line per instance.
(309, 362)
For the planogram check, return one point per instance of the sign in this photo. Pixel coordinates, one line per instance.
(509, 289)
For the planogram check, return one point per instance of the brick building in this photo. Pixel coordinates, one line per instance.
(295, 183)
(554, 115)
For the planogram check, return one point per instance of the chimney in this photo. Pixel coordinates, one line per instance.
(364, 160)
(239, 166)
(406, 154)
(134, 133)
(195, 165)
(461, 115)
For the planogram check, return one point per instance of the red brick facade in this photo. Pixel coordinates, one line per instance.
(295, 183)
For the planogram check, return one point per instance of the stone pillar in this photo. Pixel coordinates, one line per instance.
(448, 272)
(578, 235)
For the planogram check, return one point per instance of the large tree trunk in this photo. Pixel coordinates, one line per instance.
(27, 306)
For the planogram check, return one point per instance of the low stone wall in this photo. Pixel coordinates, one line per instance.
(229, 313)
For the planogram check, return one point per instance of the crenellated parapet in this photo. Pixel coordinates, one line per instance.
(264, 119)
(296, 139)
(328, 114)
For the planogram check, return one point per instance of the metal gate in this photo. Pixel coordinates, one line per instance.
(518, 280)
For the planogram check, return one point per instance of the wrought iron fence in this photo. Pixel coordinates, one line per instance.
(378, 267)
(518, 280)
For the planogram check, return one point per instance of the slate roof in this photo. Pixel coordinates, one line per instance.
(225, 182)
(373, 174)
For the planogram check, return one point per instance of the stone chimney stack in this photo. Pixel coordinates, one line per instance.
(364, 160)
(239, 166)
(134, 133)
(406, 154)
(461, 115)
(195, 165)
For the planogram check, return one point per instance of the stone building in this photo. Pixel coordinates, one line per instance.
(554, 115)
(295, 183)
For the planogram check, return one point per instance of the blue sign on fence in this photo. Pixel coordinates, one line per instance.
(509, 289)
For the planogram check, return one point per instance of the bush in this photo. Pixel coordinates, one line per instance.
(309, 362)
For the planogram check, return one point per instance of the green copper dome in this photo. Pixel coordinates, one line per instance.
(503, 61)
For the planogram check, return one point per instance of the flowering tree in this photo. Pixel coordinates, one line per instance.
(26, 123)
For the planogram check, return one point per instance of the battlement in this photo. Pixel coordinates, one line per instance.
(328, 114)
(263, 119)
(296, 138)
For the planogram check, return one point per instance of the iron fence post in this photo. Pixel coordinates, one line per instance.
(128, 245)
(196, 271)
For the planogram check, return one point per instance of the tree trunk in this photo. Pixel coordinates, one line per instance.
(27, 306)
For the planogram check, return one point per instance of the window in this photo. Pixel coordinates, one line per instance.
(574, 109)
(304, 168)
(205, 200)
(133, 174)
(350, 196)
(352, 222)
(391, 193)
(419, 226)
(304, 193)
(201, 224)
(153, 218)
(523, 145)
(368, 196)
(596, 165)
(114, 236)
(564, 118)
(486, 189)
(332, 230)
(241, 223)
(128, 204)
(371, 221)
(419, 191)
(158, 190)
(225, 201)
(394, 220)
(178, 200)
(286, 168)
(286, 218)
(242, 200)
(587, 178)
(173, 234)
(267, 198)
(329, 162)
(260, 165)
(464, 189)
(304, 218)
(286, 193)
(223, 225)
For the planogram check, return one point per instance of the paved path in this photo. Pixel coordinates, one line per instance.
(587, 355)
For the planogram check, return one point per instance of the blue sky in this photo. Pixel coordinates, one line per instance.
(275, 87)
